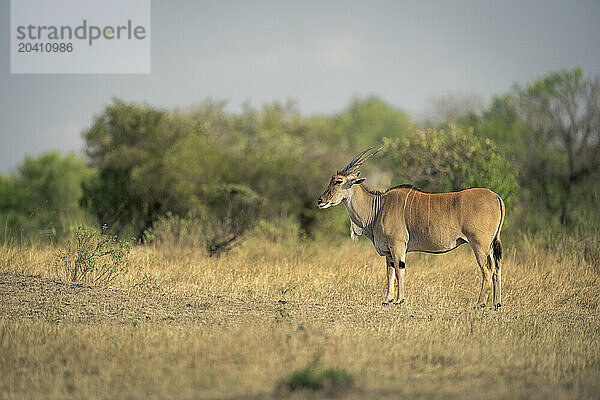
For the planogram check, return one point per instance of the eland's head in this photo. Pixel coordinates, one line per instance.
(340, 185)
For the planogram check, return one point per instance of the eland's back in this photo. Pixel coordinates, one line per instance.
(439, 222)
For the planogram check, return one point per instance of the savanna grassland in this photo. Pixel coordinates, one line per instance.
(181, 324)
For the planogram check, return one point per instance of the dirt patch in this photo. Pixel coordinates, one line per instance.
(34, 297)
(38, 298)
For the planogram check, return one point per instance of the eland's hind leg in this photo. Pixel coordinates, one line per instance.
(497, 280)
(497, 277)
(485, 264)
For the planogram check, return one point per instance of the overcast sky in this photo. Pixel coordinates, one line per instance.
(320, 53)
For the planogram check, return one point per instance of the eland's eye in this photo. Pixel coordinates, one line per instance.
(339, 182)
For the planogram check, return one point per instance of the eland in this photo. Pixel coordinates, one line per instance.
(404, 219)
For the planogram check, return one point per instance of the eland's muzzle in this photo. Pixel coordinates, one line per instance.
(321, 204)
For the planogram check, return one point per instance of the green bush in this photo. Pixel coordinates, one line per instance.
(314, 377)
(92, 257)
(442, 160)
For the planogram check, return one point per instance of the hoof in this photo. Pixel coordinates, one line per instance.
(397, 303)
(497, 306)
(479, 306)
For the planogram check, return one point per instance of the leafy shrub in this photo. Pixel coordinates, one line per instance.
(314, 377)
(92, 257)
(441, 160)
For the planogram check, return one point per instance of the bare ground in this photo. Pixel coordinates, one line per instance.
(52, 300)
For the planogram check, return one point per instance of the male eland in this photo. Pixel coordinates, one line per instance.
(404, 219)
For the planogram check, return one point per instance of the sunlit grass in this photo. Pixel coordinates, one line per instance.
(265, 309)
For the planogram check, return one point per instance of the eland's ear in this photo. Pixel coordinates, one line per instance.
(358, 181)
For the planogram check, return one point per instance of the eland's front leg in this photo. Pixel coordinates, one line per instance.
(390, 280)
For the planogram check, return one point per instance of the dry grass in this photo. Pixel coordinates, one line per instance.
(184, 325)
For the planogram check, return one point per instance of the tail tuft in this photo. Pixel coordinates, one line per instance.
(497, 249)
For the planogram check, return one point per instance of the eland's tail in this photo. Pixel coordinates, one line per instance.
(496, 243)
(497, 249)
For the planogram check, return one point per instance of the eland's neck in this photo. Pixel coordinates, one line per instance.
(363, 207)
